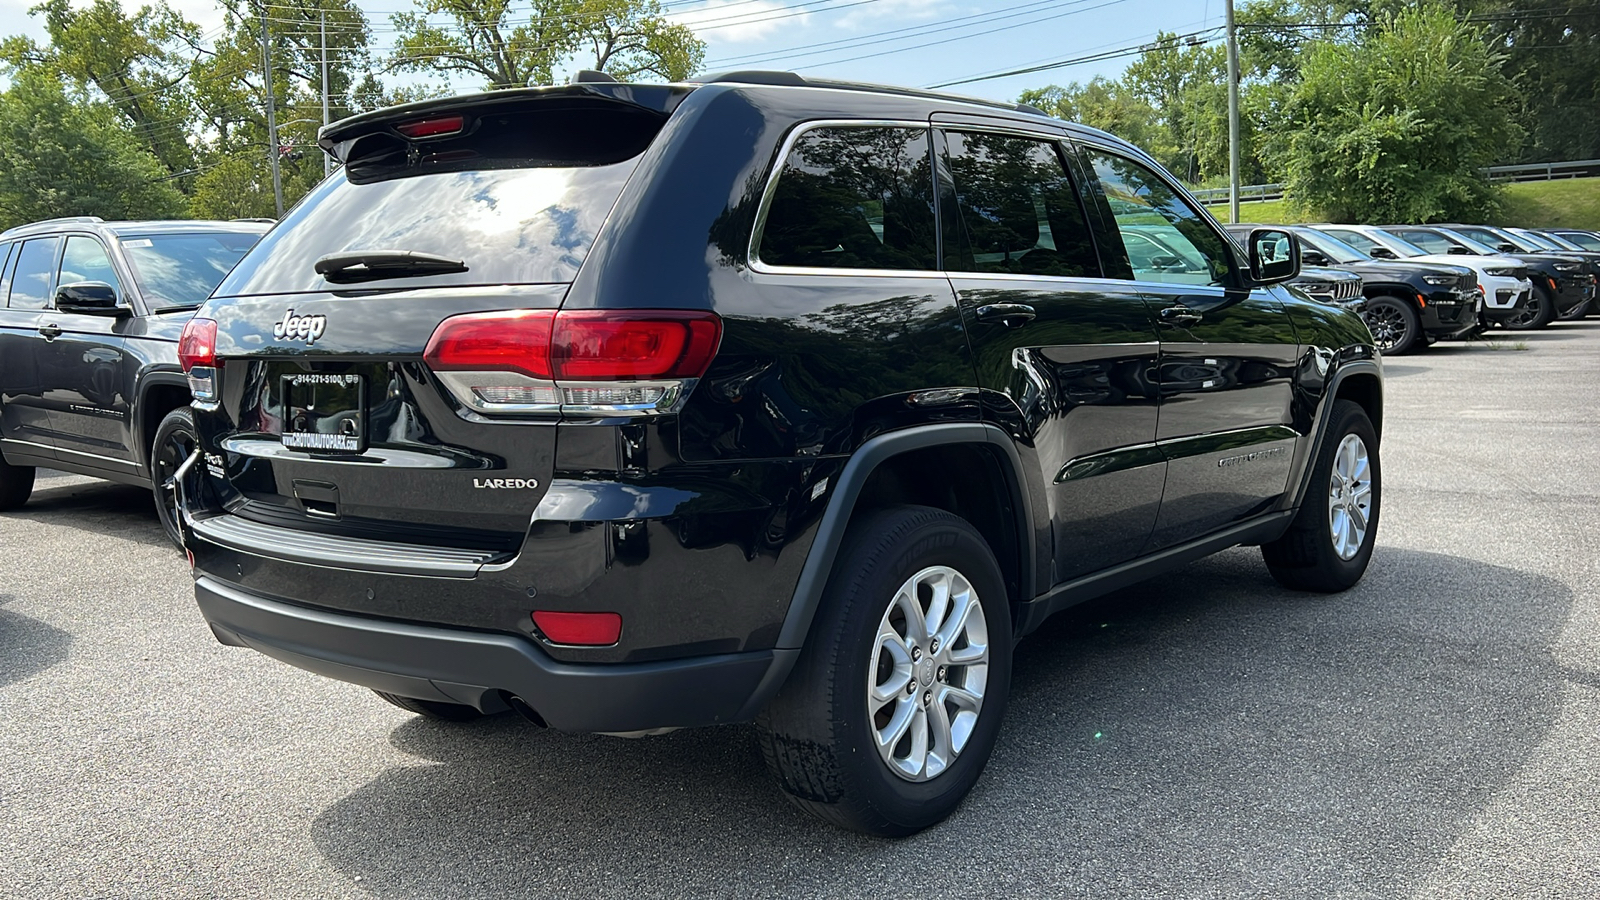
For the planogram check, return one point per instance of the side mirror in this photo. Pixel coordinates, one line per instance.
(1312, 257)
(1508, 248)
(1459, 251)
(1383, 253)
(94, 298)
(1274, 255)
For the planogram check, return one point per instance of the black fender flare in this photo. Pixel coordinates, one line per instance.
(153, 379)
(1300, 477)
(847, 489)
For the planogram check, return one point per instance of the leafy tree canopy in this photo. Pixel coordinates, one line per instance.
(79, 159)
(1396, 129)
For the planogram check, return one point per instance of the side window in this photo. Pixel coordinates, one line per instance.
(1427, 240)
(1016, 210)
(30, 283)
(7, 251)
(1357, 240)
(85, 259)
(853, 198)
(1166, 240)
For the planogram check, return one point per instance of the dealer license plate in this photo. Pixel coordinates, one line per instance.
(324, 413)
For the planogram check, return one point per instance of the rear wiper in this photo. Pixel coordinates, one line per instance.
(371, 265)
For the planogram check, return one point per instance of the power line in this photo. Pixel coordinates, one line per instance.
(1079, 60)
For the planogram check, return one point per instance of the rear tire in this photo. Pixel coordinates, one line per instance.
(893, 708)
(16, 484)
(1329, 543)
(1539, 312)
(176, 438)
(1396, 328)
(433, 709)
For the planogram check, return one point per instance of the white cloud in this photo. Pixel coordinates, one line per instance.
(900, 12)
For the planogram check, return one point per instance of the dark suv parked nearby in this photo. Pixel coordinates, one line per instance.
(1409, 305)
(90, 314)
(634, 407)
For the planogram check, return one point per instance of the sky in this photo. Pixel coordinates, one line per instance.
(916, 43)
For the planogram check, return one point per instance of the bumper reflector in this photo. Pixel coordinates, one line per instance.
(597, 629)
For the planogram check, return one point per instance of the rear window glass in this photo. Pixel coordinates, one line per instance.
(183, 269)
(1017, 210)
(36, 267)
(508, 226)
(853, 198)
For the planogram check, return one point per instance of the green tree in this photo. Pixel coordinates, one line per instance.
(138, 63)
(1396, 128)
(1107, 105)
(510, 45)
(75, 159)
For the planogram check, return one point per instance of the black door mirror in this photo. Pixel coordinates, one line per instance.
(1274, 255)
(1459, 251)
(1508, 248)
(95, 298)
(1312, 257)
(1383, 253)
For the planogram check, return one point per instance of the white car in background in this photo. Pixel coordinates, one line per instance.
(1503, 280)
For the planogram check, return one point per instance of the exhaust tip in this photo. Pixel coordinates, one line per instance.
(525, 710)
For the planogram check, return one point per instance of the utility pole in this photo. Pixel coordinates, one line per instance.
(272, 113)
(1233, 118)
(327, 161)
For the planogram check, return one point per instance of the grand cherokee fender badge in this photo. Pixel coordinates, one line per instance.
(1250, 457)
(306, 328)
(504, 484)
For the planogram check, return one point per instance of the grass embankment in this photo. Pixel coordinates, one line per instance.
(1564, 203)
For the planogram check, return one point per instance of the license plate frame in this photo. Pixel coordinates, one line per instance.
(324, 413)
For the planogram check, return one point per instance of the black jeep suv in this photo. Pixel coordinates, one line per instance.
(1561, 282)
(634, 407)
(90, 315)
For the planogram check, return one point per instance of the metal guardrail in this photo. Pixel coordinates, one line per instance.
(1250, 192)
(1575, 168)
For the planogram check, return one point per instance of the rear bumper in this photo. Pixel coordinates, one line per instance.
(479, 669)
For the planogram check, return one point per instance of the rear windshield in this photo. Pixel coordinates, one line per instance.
(508, 226)
(183, 269)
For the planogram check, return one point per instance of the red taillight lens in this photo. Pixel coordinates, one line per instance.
(580, 345)
(512, 341)
(592, 629)
(602, 345)
(426, 128)
(198, 345)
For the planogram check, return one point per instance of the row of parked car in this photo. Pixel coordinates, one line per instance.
(1427, 283)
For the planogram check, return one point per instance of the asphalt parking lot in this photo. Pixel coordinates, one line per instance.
(1432, 733)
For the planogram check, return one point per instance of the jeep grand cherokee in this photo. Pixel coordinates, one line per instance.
(636, 407)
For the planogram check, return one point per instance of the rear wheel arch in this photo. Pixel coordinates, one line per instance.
(896, 469)
(158, 395)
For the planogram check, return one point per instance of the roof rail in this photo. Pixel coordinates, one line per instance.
(63, 220)
(254, 219)
(795, 79)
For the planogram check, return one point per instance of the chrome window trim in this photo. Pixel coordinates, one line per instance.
(767, 193)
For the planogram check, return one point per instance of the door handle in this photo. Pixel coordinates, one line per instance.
(50, 332)
(1180, 315)
(1011, 315)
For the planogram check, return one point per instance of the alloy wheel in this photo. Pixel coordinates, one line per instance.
(929, 672)
(1350, 496)
(1388, 326)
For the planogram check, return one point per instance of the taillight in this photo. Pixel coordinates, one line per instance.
(597, 362)
(198, 345)
(197, 353)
